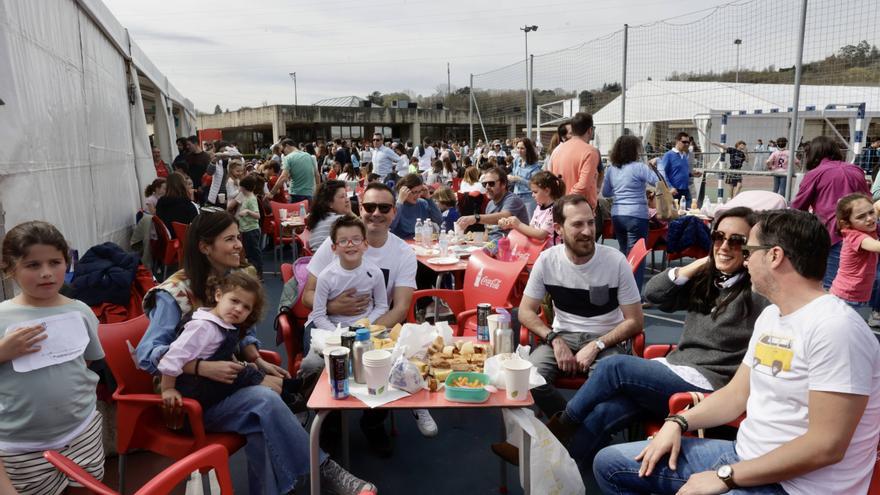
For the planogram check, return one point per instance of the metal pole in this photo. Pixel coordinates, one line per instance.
(737, 42)
(295, 95)
(528, 93)
(471, 110)
(448, 81)
(623, 82)
(792, 135)
(531, 94)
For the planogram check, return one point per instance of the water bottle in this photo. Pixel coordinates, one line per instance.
(504, 249)
(419, 231)
(302, 211)
(444, 244)
(427, 236)
(362, 344)
(502, 339)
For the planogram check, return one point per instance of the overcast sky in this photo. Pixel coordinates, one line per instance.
(235, 53)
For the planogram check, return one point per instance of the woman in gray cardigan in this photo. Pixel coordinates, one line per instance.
(722, 309)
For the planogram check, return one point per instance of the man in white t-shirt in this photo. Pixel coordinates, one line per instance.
(595, 300)
(809, 385)
(397, 261)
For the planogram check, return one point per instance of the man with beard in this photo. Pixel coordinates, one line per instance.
(595, 300)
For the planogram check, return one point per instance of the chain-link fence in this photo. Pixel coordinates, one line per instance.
(735, 62)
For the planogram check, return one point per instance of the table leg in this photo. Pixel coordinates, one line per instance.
(525, 472)
(502, 485)
(315, 452)
(343, 431)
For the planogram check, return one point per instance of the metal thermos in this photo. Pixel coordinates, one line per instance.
(502, 338)
(362, 344)
(348, 341)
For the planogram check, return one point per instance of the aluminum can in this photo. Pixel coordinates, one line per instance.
(483, 311)
(339, 373)
(347, 339)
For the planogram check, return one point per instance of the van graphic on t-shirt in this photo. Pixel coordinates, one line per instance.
(773, 352)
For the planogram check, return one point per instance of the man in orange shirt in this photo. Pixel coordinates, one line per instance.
(577, 161)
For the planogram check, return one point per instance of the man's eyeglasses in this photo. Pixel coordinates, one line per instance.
(748, 250)
(377, 140)
(488, 183)
(371, 207)
(735, 241)
(357, 241)
(684, 141)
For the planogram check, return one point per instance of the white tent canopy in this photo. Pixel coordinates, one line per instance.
(765, 108)
(74, 144)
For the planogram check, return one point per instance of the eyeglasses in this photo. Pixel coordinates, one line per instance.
(371, 207)
(357, 241)
(488, 183)
(734, 241)
(748, 250)
(685, 142)
(379, 140)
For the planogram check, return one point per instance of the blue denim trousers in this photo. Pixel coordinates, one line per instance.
(277, 445)
(779, 182)
(628, 230)
(621, 390)
(831, 265)
(617, 472)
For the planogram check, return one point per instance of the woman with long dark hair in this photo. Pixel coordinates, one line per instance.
(626, 182)
(828, 179)
(276, 441)
(330, 202)
(176, 205)
(716, 292)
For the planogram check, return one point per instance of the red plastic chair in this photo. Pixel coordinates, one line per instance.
(164, 249)
(207, 458)
(139, 420)
(486, 280)
(292, 331)
(456, 183)
(681, 401)
(607, 229)
(521, 243)
(277, 236)
(302, 242)
(637, 254)
(180, 232)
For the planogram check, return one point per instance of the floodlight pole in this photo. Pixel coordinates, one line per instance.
(526, 30)
(792, 135)
(623, 82)
(295, 99)
(471, 110)
(738, 42)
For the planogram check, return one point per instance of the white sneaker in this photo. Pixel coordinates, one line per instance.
(874, 320)
(425, 422)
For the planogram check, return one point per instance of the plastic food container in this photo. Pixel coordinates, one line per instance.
(467, 394)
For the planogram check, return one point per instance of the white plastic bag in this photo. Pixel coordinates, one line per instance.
(416, 339)
(552, 470)
(493, 368)
(404, 374)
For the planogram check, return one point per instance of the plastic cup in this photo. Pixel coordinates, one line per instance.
(377, 368)
(516, 378)
(479, 237)
(221, 198)
(282, 213)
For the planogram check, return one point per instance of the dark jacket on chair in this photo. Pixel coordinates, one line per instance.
(104, 275)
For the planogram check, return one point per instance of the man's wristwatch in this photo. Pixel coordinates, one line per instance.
(725, 473)
(551, 337)
(600, 344)
(477, 217)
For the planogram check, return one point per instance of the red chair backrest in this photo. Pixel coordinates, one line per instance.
(456, 183)
(213, 456)
(655, 235)
(525, 244)
(304, 237)
(115, 338)
(637, 254)
(290, 207)
(487, 280)
(180, 232)
(286, 272)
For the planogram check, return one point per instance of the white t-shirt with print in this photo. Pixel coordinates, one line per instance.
(396, 259)
(824, 346)
(586, 298)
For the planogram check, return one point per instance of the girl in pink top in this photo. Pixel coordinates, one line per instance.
(546, 189)
(778, 164)
(857, 222)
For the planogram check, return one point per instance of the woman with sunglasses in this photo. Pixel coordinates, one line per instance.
(721, 313)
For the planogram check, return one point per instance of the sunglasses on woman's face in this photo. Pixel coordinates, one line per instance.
(371, 207)
(734, 241)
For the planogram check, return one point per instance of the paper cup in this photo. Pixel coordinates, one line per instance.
(516, 378)
(377, 368)
(221, 198)
(457, 229)
(282, 213)
(479, 237)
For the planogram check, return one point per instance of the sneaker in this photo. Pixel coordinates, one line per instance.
(874, 320)
(340, 481)
(378, 440)
(425, 422)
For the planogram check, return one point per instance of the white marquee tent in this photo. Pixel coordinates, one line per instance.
(758, 110)
(74, 139)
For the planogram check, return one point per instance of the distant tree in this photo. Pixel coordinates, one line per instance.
(217, 110)
(375, 98)
(586, 98)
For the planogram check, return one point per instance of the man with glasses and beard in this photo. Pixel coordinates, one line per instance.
(397, 261)
(502, 204)
(675, 168)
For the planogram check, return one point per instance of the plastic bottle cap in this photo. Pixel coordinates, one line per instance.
(362, 334)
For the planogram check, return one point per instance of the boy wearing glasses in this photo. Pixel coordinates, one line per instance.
(349, 270)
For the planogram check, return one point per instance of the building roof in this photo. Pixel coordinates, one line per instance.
(657, 101)
(342, 101)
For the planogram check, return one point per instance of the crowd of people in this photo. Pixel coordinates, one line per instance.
(770, 331)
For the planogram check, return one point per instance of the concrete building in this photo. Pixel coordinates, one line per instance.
(254, 128)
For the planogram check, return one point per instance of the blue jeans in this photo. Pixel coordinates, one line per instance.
(617, 472)
(779, 182)
(628, 230)
(685, 196)
(277, 445)
(251, 241)
(831, 265)
(529, 201)
(621, 390)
